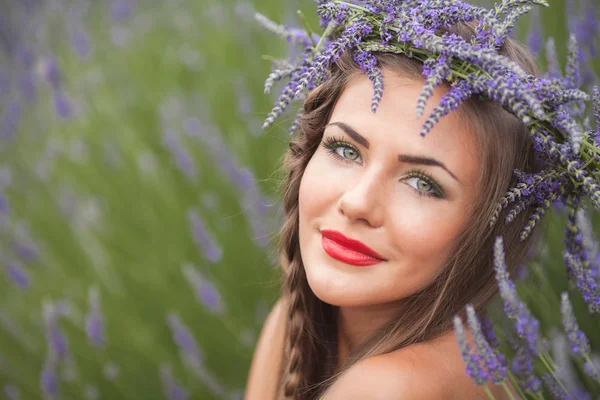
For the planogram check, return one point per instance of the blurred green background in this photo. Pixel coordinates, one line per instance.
(138, 194)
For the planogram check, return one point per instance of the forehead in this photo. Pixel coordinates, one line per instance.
(396, 126)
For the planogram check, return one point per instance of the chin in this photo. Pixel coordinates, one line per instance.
(339, 288)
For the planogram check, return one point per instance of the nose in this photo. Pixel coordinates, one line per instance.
(363, 200)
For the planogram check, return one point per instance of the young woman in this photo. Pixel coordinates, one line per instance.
(387, 237)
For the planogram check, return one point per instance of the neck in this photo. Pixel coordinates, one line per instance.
(356, 324)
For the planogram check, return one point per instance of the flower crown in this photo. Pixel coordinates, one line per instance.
(552, 106)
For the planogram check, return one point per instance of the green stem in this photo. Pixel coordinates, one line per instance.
(488, 392)
(545, 360)
(309, 31)
(332, 25)
(507, 390)
(516, 385)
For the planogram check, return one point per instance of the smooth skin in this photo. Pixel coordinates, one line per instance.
(373, 185)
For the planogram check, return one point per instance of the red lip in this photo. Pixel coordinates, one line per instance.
(349, 250)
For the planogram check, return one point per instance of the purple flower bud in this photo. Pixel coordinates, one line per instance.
(579, 341)
(494, 364)
(63, 104)
(473, 362)
(4, 207)
(121, 9)
(206, 291)
(592, 369)
(95, 320)
(56, 338)
(52, 73)
(183, 337)
(369, 64)
(291, 35)
(10, 119)
(204, 239)
(80, 41)
(553, 387)
(535, 40)
(18, 274)
(49, 380)
(185, 162)
(171, 389)
(522, 366)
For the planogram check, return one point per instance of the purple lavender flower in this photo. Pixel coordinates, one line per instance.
(52, 73)
(121, 9)
(19, 275)
(553, 387)
(368, 63)
(291, 35)
(63, 104)
(436, 71)
(579, 341)
(183, 337)
(535, 40)
(185, 162)
(577, 260)
(554, 70)
(592, 369)
(494, 365)
(489, 334)
(10, 119)
(528, 327)
(204, 239)
(49, 382)
(80, 40)
(573, 74)
(171, 389)
(522, 365)
(473, 361)
(4, 207)
(206, 291)
(57, 340)
(451, 101)
(95, 320)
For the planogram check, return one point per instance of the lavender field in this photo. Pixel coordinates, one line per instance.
(139, 201)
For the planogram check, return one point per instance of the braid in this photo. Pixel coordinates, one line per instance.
(309, 330)
(295, 286)
(297, 336)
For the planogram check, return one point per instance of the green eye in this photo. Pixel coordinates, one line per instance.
(342, 150)
(425, 185)
(348, 153)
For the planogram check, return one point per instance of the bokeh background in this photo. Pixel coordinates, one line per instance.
(139, 201)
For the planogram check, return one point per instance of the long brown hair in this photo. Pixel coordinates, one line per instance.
(309, 364)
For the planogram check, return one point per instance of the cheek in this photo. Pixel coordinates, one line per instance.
(318, 188)
(424, 230)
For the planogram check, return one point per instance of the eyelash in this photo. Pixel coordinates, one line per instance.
(331, 143)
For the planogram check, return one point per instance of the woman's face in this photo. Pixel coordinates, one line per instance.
(404, 196)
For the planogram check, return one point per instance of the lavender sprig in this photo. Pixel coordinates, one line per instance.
(473, 362)
(494, 363)
(580, 344)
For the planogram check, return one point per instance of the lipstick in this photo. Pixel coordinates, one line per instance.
(348, 250)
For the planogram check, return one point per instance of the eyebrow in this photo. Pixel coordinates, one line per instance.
(401, 157)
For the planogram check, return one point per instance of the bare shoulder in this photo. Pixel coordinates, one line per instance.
(425, 371)
(268, 355)
(386, 378)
